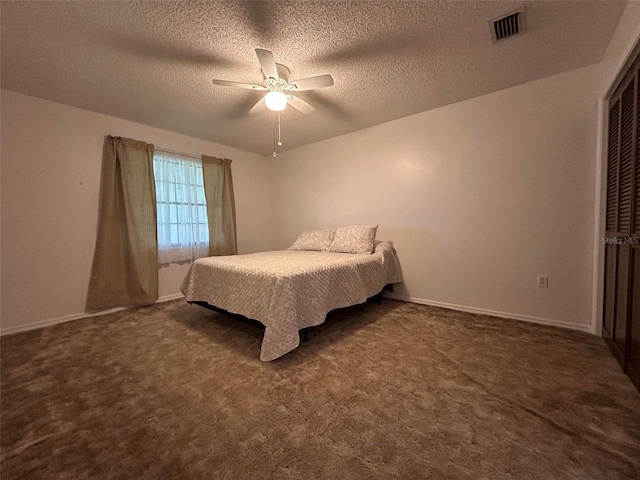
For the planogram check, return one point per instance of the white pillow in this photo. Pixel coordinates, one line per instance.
(354, 239)
(319, 240)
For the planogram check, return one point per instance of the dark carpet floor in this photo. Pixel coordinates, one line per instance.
(386, 391)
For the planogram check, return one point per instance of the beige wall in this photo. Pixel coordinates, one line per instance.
(51, 157)
(479, 197)
(622, 42)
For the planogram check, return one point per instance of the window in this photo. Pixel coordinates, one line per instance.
(183, 229)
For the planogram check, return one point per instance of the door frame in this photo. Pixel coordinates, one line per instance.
(597, 298)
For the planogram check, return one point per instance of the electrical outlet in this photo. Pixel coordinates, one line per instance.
(543, 281)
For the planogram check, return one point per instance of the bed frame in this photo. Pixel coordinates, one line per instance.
(305, 331)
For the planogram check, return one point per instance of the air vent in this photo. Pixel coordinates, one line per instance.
(507, 26)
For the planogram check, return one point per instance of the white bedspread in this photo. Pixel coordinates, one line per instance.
(289, 290)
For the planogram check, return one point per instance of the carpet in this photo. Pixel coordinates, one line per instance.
(396, 390)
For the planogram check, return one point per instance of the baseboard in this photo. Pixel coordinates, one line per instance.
(422, 301)
(494, 313)
(76, 316)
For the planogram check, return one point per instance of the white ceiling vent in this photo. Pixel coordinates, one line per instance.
(507, 25)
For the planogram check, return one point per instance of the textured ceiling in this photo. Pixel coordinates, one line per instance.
(153, 62)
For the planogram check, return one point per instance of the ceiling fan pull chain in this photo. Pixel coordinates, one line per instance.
(279, 141)
(274, 143)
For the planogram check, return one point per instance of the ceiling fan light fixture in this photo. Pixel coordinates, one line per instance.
(276, 101)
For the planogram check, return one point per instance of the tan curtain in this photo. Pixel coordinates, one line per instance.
(221, 208)
(125, 262)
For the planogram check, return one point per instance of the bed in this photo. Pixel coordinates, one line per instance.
(289, 290)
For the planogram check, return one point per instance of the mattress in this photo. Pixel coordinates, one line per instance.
(289, 290)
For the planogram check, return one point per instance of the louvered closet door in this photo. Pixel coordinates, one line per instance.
(621, 313)
(627, 135)
(633, 356)
(611, 249)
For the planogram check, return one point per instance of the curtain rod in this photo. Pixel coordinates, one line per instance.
(167, 150)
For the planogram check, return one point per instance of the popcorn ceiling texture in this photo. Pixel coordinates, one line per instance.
(153, 62)
(388, 391)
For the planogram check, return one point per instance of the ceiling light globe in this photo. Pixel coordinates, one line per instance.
(276, 101)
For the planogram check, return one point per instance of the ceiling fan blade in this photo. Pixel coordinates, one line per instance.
(267, 63)
(313, 82)
(301, 105)
(239, 109)
(248, 86)
(258, 107)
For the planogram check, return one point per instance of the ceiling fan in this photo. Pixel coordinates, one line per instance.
(278, 87)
